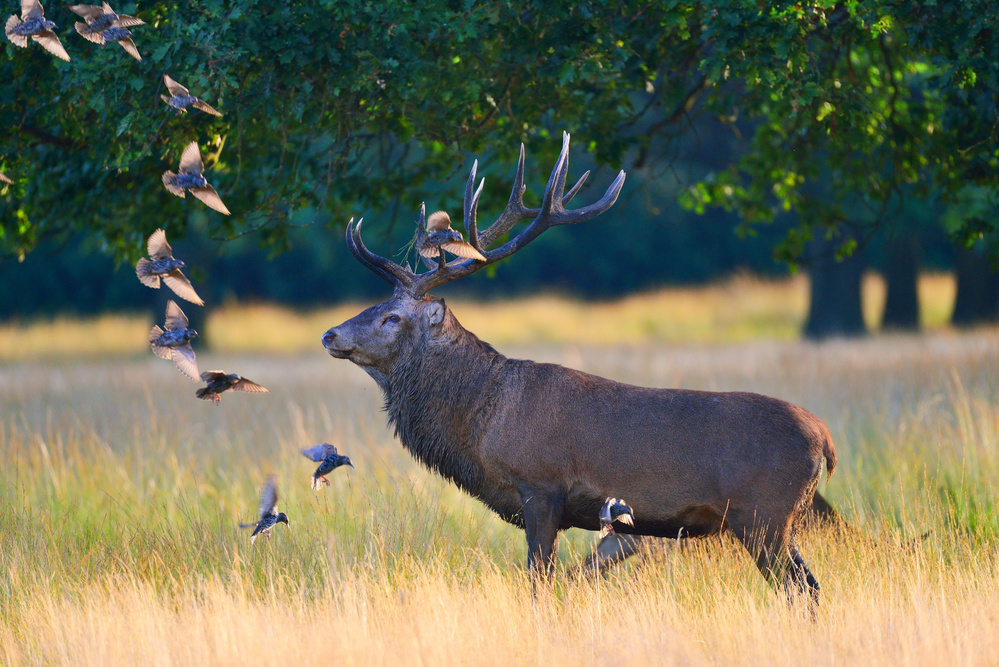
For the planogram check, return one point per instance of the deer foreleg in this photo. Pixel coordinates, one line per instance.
(542, 516)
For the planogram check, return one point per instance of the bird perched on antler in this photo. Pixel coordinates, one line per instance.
(162, 265)
(190, 178)
(614, 510)
(269, 515)
(175, 342)
(33, 24)
(220, 382)
(328, 459)
(440, 236)
(180, 98)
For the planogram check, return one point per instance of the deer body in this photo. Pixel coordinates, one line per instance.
(544, 446)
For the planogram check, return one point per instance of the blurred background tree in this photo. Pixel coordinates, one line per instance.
(813, 130)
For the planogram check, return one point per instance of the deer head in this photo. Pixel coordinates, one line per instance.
(375, 338)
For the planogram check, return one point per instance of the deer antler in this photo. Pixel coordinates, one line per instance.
(551, 214)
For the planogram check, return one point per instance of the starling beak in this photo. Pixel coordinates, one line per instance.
(614, 510)
(269, 515)
(328, 459)
(219, 382)
(162, 265)
(190, 178)
(34, 24)
(441, 236)
(175, 342)
(180, 98)
(4, 179)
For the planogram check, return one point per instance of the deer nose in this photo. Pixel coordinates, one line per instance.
(328, 338)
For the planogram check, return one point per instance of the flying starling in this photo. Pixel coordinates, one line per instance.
(181, 98)
(100, 18)
(440, 235)
(33, 24)
(614, 510)
(163, 265)
(4, 179)
(328, 460)
(175, 342)
(103, 25)
(219, 381)
(269, 516)
(190, 179)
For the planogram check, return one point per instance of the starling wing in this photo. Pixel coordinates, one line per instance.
(161, 351)
(190, 159)
(319, 452)
(269, 497)
(605, 511)
(176, 90)
(90, 13)
(463, 249)
(210, 197)
(175, 317)
(438, 221)
(185, 360)
(182, 287)
(31, 9)
(157, 246)
(4, 179)
(249, 386)
(50, 42)
(17, 40)
(211, 376)
(129, 46)
(200, 104)
(144, 272)
(89, 33)
(170, 183)
(126, 21)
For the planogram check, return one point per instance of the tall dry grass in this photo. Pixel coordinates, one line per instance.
(119, 543)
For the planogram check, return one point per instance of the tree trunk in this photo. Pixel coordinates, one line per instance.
(835, 305)
(977, 300)
(902, 280)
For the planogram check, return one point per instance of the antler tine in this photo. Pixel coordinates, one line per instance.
(515, 210)
(387, 270)
(471, 202)
(551, 213)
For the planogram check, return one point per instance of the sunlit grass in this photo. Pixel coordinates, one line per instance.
(740, 309)
(119, 544)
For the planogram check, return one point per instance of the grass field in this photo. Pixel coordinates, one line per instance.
(119, 542)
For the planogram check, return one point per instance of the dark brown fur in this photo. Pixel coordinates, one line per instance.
(544, 446)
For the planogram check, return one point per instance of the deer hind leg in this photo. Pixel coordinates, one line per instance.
(542, 516)
(771, 544)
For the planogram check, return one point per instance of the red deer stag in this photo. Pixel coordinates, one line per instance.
(544, 446)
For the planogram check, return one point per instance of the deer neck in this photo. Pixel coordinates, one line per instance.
(439, 400)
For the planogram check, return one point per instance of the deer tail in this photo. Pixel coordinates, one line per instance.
(828, 451)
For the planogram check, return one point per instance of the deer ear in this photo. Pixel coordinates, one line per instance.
(435, 312)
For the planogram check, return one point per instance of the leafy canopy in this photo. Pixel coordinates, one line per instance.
(334, 108)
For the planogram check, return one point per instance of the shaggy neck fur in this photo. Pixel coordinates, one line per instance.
(439, 397)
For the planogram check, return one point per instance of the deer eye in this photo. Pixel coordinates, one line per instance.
(394, 319)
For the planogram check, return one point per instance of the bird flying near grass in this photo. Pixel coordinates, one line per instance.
(220, 382)
(328, 459)
(33, 24)
(175, 342)
(269, 515)
(180, 98)
(162, 265)
(190, 178)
